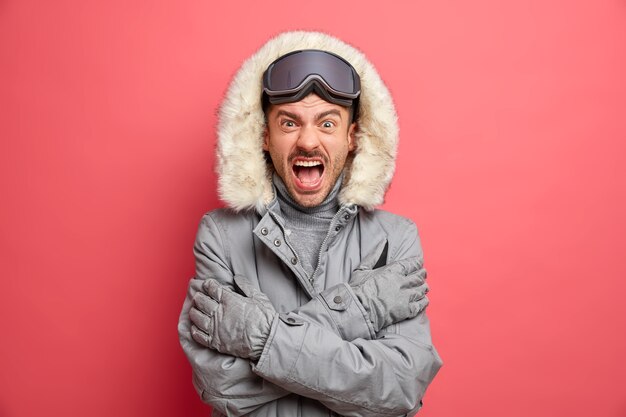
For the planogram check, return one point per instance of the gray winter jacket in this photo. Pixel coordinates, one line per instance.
(322, 357)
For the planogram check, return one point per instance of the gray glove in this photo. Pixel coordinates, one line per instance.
(391, 293)
(229, 322)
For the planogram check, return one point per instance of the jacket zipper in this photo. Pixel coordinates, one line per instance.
(323, 246)
(282, 228)
(310, 278)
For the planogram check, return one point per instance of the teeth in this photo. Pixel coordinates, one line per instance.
(307, 163)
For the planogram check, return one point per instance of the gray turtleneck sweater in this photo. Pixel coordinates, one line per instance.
(306, 227)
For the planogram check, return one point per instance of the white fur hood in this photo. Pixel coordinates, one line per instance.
(244, 176)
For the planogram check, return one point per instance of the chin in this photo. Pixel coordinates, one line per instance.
(310, 200)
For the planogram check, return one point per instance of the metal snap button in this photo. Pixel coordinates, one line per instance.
(294, 260)
(337, 299)
(346, 217)
(264, 231)
(338, 228)
(277, 242)
(290, 320)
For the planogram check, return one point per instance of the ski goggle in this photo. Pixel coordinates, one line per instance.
(293, 76)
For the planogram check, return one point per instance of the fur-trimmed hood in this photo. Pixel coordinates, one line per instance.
(244, 176)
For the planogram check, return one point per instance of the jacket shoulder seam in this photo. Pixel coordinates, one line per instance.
(223, 242)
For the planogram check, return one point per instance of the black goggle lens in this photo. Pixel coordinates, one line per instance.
(289, 72)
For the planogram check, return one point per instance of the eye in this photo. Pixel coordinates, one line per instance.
(288, 123)
(328, 124)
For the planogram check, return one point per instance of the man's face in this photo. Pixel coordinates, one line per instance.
(309, 142)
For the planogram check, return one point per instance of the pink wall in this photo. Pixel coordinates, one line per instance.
(513, 129)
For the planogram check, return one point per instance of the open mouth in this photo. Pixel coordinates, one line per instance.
(308, 173)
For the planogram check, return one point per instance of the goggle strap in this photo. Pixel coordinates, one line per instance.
(312, 86)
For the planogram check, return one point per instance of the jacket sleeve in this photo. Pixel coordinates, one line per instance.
(337, 309)
(225, 382)
(382, 376)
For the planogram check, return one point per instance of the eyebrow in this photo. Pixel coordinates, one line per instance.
(290, 115)
(328, 113)
(318, 117)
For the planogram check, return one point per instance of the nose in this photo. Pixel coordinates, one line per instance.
(308, 139)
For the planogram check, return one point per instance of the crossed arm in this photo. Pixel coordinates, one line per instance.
(322, 350)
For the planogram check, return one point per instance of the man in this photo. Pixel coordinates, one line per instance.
(307, 301)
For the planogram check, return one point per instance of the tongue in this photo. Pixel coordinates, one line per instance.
(309, 175)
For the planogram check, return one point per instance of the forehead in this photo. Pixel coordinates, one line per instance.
(311, 105)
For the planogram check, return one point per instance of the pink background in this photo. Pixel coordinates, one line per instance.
(513, 129)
